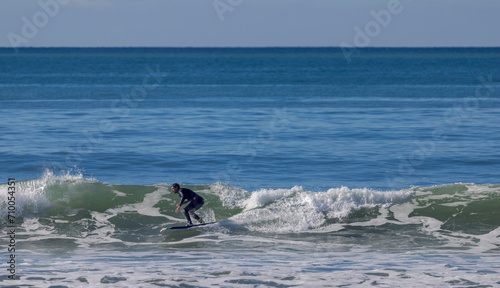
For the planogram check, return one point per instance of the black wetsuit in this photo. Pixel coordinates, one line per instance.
(196, 202)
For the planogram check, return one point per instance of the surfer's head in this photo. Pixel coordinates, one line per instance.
(175, 188)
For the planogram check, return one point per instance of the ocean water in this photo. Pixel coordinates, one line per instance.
(320, 172)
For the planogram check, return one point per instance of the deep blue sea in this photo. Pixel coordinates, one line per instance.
(380, 169)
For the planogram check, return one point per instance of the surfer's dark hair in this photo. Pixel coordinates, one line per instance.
(176, 185)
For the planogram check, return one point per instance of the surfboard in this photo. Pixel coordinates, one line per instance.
(163, 230)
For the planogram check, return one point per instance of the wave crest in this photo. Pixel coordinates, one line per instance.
(87, 210)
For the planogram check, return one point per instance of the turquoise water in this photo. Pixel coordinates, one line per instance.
(379, 171)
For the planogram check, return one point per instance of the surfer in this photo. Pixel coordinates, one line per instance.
(196, 202)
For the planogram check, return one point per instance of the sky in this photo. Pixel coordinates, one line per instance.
(249, 23)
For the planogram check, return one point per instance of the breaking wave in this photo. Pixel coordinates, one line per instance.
(77, 211)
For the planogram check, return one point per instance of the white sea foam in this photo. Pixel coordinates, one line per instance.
(251, 267)
(297, 210)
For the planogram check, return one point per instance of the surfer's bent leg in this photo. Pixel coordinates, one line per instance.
(195, 204)
(186, 213)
